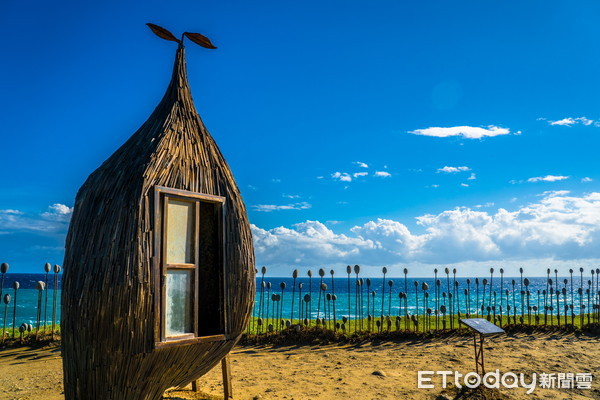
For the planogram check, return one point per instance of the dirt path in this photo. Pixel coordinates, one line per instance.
(369, 371)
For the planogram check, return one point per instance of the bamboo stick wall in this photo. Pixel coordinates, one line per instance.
(110, 281)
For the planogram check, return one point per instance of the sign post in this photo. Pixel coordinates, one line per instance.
(481, 327)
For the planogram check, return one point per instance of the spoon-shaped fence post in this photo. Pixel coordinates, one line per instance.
(47, 269)
(263, 271)
(321, 274)
(457, 309)
(309, 308)
(491, 285)
(306, 301)
(477, 297)
(447, 271)
(537, 308)
(501, 291)
(527, 293)
(3, 270)
(332, 273)
(267, 302)
(16, 288)
(373, 294)
(405, 298)
(294, 276)
(468, 298)
(251, 324)
(322, 292)
(282, 285)
(467, 303)
(369, 315)
(335, 323)
(384, 270)
(483, 298)
(357, 321)
(565, 305)
(572, 294)
(22, 330)
(592, 310)
(300, 304)
(580, 291)
(327, 302)
(514, 302)
(6, 300)
(552, 292)
(443, 310)
(598, 291)
(436, 301)
(425, 288)
(360, 303)
(416, 301)
(356, 299)
(589, 313)
(565, 298)
(454, 296)
(390, 284)
(56, 269)
(438, 284)
(40, 287)
(349, 272)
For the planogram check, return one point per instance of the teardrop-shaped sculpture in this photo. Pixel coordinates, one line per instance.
(124, 334)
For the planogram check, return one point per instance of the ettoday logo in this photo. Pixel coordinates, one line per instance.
(509, 380)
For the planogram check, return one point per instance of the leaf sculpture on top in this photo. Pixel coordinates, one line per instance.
(197, 38)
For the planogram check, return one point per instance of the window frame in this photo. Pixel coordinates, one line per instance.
(160, 265)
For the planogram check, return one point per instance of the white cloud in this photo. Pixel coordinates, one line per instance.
(310, 242)
(342, 176)
(290, 196)
(548, 178)
(383, 174)
(12, 212)
(58, 209)
(571, 121)
(55, 220)
(453, 170)
(586, 179)
(357, 174)
(272, 207)
(361, 164)
(468, 132)
(559, 227)
(472, 177)
(464, 185)
(552, 193)
(276, 180)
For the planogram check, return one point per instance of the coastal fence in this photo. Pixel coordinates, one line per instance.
(34, 327)
(350, 303)
(355, 304)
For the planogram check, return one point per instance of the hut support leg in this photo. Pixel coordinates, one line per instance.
(227, 393)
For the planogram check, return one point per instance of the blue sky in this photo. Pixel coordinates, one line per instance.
(326, 113)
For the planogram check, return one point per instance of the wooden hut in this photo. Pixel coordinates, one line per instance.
(159, 266)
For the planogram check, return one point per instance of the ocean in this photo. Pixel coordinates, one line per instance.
(386, 299)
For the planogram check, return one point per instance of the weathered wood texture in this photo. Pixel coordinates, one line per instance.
(109, 281)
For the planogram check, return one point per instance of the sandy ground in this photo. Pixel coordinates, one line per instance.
(344, 371)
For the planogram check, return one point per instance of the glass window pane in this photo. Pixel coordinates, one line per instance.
(180, 232)
(179, 302)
